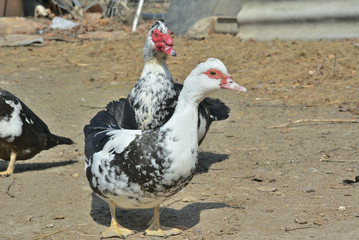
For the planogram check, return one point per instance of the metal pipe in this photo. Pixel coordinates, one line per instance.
(135, 20)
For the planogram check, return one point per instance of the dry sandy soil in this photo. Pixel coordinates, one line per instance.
(255, 179)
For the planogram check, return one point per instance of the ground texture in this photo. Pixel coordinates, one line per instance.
(256, 179)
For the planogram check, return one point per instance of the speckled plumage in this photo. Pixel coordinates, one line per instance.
(154, 96)
(138, 176)
(141, 168)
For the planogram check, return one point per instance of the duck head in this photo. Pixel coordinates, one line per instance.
(209, 76)
(159, 38)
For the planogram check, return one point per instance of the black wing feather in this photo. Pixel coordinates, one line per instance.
(26, 112)
(118, 114)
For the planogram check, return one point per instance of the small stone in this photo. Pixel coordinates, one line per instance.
(313, 170)
(270, 209)
(300, 220)
(309, 189)
(11, 222)
(189, 199)
(205, 194)
(266, 189)
(318, 222)
(76, 175)
(341, 208)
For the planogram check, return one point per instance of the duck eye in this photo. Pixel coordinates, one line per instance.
(212, 73)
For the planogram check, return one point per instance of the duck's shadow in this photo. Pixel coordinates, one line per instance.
(206, 159)
(138, 219)
(27, 167)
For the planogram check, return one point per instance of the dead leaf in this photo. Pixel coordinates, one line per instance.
(318, 222)
(284, 130)
(75, 175)
(296, 85)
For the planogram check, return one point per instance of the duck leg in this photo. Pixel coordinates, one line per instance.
(155, 228)
(115, 230)
(11, 167)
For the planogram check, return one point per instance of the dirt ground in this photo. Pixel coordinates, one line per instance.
(255, 179)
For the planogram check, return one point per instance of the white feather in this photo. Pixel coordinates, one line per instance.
(120, 139)
(11, 127)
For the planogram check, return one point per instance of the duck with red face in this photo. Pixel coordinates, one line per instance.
(163, 42)
(159, 43)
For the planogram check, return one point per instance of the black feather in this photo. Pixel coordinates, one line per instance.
(118, 114)
(217, 109)
(35, 135)
(122, 113)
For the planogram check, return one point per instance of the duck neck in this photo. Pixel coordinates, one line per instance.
(184, 120)
(149, 53)
(156, 64)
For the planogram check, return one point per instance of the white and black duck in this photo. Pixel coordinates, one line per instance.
(152, 101)
(22, 133)
(133, 169)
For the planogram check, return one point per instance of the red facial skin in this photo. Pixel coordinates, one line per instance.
(226, 81)
(163, 42)
(215, 74)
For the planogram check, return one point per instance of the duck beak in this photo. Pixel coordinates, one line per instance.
(163, 47)
(163, 42)
(228, 83)
(169, 51)
(168, 44)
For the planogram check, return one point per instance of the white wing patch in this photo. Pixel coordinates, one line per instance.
(11, 128)
(120, 139)
(108, 179)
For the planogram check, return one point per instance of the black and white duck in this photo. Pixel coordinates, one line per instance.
(22, 133)
(133, 169)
